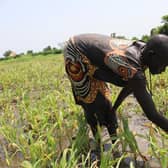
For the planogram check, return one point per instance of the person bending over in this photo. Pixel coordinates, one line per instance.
(92, 60)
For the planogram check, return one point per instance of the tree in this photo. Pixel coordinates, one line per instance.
(48, 48)
(163, 29)
(30, 52)
(7, 53)
(165, 19)
(145, 38)
(154, 31)
(134, 38)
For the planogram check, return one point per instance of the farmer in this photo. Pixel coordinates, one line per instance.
(91, 60)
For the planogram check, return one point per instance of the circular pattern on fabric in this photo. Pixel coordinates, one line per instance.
(75, 71)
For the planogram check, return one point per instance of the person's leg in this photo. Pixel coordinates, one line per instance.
(91, 118)
(112, 124)
(101, 112)
(106, 115)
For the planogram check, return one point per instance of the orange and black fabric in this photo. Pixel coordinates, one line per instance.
(91, 60)
(80, 72)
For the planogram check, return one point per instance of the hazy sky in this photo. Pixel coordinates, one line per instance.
(35, 24)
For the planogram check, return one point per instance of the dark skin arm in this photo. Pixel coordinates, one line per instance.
(122, 95)
(138, 86)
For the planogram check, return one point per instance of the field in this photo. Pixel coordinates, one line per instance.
(41, 127)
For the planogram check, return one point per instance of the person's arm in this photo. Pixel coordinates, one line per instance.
(138, 85)
(122, 95)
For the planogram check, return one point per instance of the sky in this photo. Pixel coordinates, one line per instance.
(35, 24)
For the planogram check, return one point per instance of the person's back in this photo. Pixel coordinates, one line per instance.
(105, 54)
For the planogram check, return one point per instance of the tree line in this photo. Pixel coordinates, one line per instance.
(47, 50)
(161, 29)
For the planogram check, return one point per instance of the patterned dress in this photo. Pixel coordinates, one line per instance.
(88, 55)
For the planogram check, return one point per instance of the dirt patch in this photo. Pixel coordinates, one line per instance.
(8, 160)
